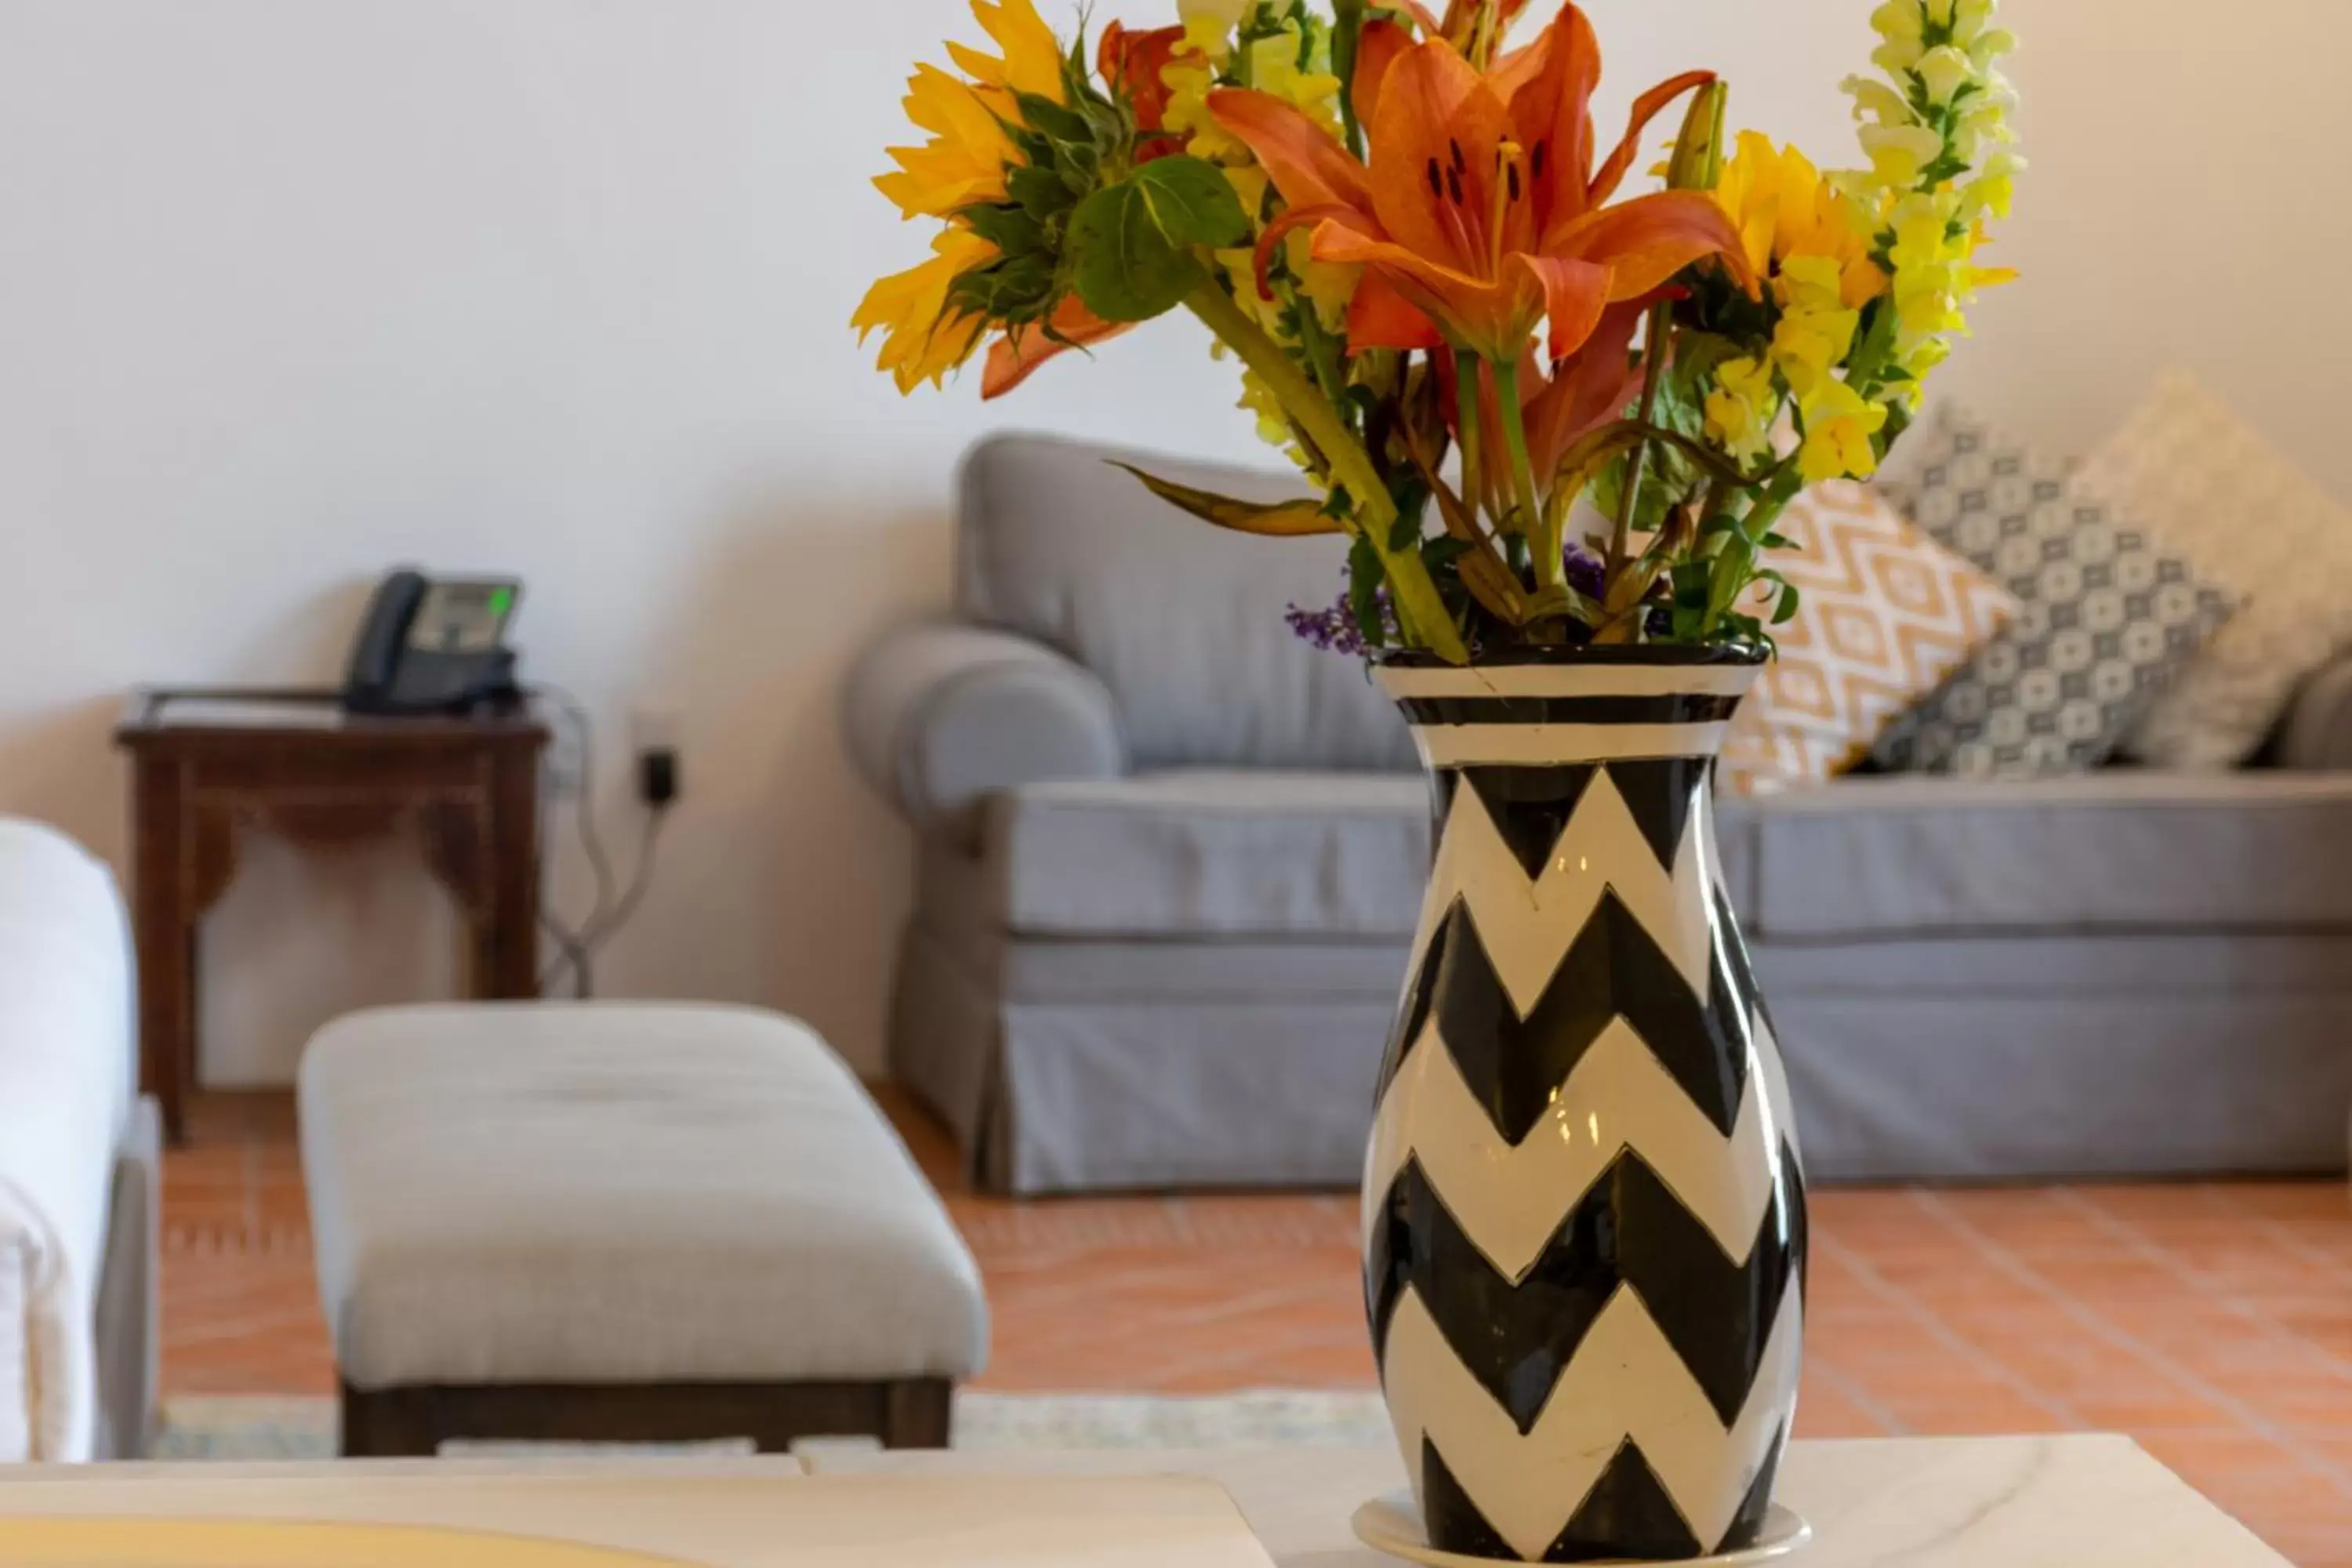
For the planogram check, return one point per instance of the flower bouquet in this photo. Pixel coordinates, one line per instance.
(1555, 391)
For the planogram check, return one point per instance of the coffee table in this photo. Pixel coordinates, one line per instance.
(1999, 1502)
(1989, 1502)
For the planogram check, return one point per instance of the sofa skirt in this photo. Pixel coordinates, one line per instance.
(2049, 1057)
(1155, 1089)
(1072, 1068)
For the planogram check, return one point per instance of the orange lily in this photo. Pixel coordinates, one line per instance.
(1131, 63)
(1481, 214)
(1572, 398)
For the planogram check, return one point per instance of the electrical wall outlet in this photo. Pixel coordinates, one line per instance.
(654, 739)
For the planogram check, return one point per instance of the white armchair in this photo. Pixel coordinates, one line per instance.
(78, 1159)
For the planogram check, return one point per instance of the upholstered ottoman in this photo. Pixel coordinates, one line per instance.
(622, 1223)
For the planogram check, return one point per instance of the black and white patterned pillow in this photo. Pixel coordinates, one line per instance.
(2110, 615)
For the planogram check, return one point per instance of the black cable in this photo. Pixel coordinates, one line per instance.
(615, 905)
(576, 951)
(596, 936)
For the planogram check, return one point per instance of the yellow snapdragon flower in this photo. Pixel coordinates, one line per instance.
(1935, 176)
(1839, 424)
(1743, 407)
(1209, 25)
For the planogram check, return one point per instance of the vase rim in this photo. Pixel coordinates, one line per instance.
(1641, 656)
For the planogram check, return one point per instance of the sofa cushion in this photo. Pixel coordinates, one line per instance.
(1182, 622)
(2110, 614)
(2218, 490)
(1885, 615)
(1888, 858)
(1210, 854)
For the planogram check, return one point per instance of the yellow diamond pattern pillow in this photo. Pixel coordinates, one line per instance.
(1884, 614)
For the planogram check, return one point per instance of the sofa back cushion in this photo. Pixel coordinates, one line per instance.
(1182, 620)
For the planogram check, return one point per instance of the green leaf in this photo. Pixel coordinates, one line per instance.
(1790, 600)
(1012, 229)
(1365, 574)
(1347, 40)
(1193, 201)
(1048, 118)
(1133, 242)
(1286, 520)
(1040, 192)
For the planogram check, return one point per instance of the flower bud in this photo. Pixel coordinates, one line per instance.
(1698, 153)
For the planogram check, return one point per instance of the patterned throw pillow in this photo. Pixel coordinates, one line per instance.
(2109, 615)
(1885, 614)
(2216, 490)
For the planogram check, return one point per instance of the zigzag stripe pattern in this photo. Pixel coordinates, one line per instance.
(1627, 1393)
(1479, 868)
(1518, 1335)
(1515, 1059)
(1506, 1196)
(1584, 1211)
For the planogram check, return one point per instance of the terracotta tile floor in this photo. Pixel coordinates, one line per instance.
(2214, 1323)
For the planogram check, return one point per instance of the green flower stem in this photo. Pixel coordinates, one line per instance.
(1550, 561)
(1653, 374)
(1472, 408)
(1421, 611)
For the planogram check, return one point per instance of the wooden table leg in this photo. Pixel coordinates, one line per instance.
(508, 968)
(166, 940)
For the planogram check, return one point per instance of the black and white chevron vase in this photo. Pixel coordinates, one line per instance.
(1584, 1214)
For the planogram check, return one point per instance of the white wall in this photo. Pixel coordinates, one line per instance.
(292, 289)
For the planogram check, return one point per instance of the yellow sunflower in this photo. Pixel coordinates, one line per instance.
(1785, 209)
(964, 162)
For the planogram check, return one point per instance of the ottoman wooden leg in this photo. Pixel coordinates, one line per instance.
(916, 1414)
(390, 1424)
(406, 1423)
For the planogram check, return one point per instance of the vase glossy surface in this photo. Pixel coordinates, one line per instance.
(1584, 1214)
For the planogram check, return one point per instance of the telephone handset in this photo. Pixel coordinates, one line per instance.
(434, 646)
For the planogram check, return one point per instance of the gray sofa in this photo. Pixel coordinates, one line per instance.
(1171, 860)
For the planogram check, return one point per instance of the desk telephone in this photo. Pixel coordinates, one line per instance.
(434, 646)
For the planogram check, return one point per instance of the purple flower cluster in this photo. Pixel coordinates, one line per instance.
(1335, 629)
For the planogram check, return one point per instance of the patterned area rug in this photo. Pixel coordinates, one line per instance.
(265, 1430)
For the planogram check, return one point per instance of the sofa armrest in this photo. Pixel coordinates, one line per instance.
(2317, 734)
(939, 717)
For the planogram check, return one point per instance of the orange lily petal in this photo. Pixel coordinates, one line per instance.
(1551, 111)
(1590, 389)
(1383, 43)
(1647, 240)
(1488, 317)
(1281, 228)
(1575, 294)
(1433, 156)
(1646, 108)
(1017, 355)
(1133, 63)
(1306, 165)
(1380, 318)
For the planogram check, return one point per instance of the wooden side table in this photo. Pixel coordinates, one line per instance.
(207, 766)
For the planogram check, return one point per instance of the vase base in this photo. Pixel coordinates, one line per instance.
(1391, 1526)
